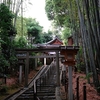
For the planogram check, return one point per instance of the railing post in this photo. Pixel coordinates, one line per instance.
(48, 74)
(84, 91)
(45, 79)
(36, 86)
(77, 88)
(40, 83)
(70, 89)
(35, 90)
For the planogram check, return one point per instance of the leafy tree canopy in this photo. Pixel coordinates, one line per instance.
(65, 34)
(21, 27)
(55, 11)
(47, 36)
(21, 42)
(6, 17)
(6, 31)
(34, 29)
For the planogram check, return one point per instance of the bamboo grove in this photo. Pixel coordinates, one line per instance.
(83, 19)
(16, 6)
(90, 30)
(17, 31)
(79, 18)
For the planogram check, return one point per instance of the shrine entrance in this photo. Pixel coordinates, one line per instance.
(67, 52)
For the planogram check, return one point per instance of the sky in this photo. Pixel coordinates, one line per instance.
(37, 11)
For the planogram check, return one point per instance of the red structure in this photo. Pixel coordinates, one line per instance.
(70, 41)
(55, 41)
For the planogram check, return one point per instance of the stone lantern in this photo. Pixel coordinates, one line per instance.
(69, 53)
(21, 63)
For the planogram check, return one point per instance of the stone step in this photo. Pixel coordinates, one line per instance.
(47, 85)
(47, 97)
(28, 92)
(45, 94)
(25, 98)
(46, 91)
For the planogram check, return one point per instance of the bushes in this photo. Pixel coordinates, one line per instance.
(3, 89)
(39, 63)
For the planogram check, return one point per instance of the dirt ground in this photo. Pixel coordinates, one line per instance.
(14, 80)
(91, 92)
(13, 85)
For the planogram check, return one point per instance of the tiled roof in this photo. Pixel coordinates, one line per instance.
(56, 38)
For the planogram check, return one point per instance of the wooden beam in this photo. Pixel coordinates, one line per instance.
(48, 49)
(42, 56)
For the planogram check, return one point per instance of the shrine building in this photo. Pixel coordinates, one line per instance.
(56, 42)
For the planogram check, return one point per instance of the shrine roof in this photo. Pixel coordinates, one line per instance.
(55, 41)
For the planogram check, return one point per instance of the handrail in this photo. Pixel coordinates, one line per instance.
(44, 72)
(41, 76)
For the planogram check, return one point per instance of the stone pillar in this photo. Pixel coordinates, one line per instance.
(57, 68)
(26, 69)
(20, 74)
(44, 61)
(70, 87)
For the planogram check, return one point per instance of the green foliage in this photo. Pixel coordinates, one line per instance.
(3, 90)
(78, 15)
(13, 60)
(55, 11)
(39, 63)
(65, 34)
(64, 14)
(31, 29)
(3, 63)
(20, 31)
(80, 66)
(6, 17)
(47, 36)
(89, 75)
(80, 50)
(6, 31)
(81, 63)
(49, 8)
(34, 30)
(21, 42)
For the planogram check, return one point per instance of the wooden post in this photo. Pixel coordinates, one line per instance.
(77, 88)
(20, 74)
(5, 79)
(70, 89)
(84, 91)
(26, 69)
(57, 68)
(44, 61)
(35, 63)
(34, 90)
